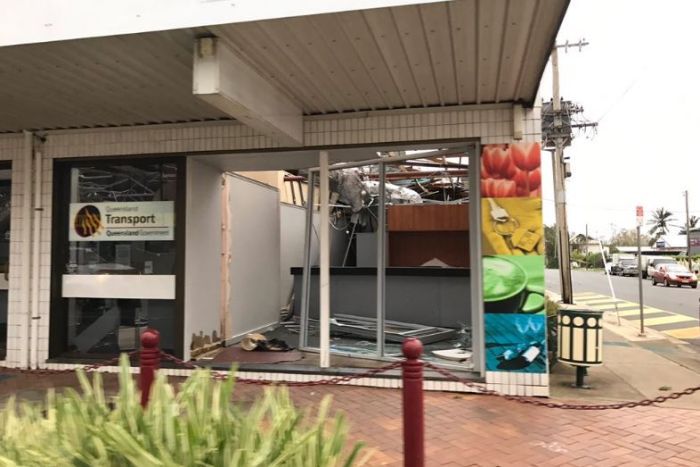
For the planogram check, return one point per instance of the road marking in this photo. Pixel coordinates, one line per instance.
(630, 311)
(600, 301)
(621, 307)
(685, 333)
(585, 294)
(588, 298)
(636, 311)
(666, 320)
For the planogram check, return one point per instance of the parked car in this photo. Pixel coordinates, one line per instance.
(674, 274)
(653, 265)
(625, 267)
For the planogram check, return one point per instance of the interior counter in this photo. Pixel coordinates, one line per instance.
(423, 295)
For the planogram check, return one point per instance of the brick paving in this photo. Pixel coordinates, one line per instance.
(472, 430)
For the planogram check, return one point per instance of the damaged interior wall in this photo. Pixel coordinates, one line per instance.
(202, 256)
(292, 227)
(291, 192)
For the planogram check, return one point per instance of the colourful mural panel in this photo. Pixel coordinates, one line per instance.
(513, 263)
(511, 171)
(512, 226)
(513, 284)
(516, 342)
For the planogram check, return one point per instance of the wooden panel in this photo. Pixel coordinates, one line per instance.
(412, 249)
(428, 218)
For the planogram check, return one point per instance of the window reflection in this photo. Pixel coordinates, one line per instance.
(112, 325)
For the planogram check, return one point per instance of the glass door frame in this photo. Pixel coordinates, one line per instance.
(7, 165)
(475, 276)
(58, 332)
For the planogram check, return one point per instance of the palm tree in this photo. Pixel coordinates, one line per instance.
(660, 222)
(692, 222)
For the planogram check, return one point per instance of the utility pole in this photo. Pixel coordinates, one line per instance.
(560, 135)
(687, 231)
(567, 293)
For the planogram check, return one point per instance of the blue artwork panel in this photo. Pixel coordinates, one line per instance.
(516, 342)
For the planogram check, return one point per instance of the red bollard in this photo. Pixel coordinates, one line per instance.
(413, 428)
(150, 361)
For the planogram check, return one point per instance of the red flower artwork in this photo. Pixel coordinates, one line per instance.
(509, 171)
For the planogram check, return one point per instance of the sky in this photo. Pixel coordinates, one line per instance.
(640, 79)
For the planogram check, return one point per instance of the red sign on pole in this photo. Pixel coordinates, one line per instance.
(640, 215)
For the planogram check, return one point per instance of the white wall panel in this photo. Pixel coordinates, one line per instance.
(202, 252)
(254, 213)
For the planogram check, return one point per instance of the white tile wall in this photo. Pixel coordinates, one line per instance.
(488, 124)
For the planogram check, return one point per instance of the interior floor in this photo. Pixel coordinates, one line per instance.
(346, 353)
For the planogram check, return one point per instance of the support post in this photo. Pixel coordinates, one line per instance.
(641, 290)
(580, 375)
(149, 362)
(381, 260)
(26, 256)
(413, 426)
(687, 231)
(324, 273)
(306, 277)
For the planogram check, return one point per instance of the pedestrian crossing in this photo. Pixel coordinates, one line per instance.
(667, 322)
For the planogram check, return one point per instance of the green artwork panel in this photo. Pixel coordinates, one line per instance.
(513, 284)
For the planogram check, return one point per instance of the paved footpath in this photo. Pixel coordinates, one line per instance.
(473, 430)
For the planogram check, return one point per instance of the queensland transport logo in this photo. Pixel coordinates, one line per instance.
(122, 221)
(88, 221)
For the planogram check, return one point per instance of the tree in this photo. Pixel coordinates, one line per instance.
(692, 222)
(660, 222)
(628, 237)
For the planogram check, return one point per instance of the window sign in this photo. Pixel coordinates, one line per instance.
(122, 221)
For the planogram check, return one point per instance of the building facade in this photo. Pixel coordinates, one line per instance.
(114, 149)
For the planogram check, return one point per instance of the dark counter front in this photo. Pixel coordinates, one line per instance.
(423, 295)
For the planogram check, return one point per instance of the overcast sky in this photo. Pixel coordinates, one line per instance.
(640, 78)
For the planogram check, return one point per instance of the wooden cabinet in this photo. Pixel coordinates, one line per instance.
(418, 233)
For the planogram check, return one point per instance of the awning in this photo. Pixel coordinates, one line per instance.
(429, 55)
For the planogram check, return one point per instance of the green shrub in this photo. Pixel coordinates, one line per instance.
(196, 426)
(551, 310)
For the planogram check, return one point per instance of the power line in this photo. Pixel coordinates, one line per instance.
(624, 93)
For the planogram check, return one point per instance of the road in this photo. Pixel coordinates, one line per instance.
(683, 301)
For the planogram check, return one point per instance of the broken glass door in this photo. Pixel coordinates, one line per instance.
(427, 266)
